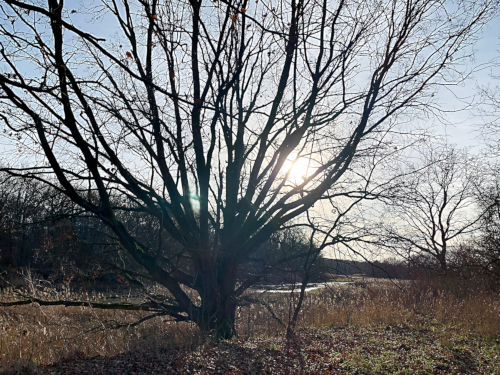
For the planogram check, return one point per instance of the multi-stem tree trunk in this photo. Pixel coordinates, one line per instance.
(217, 317)
(217, 312)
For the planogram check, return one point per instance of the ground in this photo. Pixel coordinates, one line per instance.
(400, 349)
(379, 327)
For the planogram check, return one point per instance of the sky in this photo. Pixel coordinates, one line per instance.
(463, 127)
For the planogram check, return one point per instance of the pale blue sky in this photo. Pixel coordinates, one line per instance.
(464, 126)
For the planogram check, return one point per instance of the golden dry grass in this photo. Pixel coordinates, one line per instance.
(44, 335)
(381, 302)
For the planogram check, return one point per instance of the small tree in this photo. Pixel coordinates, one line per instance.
(200, 114)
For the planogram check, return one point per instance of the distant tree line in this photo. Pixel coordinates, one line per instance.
(35, 227)
(42, 230)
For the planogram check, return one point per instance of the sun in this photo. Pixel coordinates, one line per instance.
(298, 169)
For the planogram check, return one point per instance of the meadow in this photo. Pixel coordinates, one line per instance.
(368, 326)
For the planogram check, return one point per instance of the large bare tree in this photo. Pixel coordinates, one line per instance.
(222, 120)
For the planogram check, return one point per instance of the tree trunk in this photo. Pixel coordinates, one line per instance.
(293, 321)
(443, 263)
(218, 305)
(217, 316)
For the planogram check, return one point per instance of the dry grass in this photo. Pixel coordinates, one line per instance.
(381, 302)
(43, 335)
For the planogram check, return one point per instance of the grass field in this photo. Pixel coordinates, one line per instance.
(367, 327)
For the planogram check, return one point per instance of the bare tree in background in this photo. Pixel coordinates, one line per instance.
(201, 112)
(434, 206)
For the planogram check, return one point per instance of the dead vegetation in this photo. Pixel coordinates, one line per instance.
(32, 335)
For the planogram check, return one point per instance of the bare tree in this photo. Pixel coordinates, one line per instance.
(201, 114)
(484, 249)
(433, 206)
